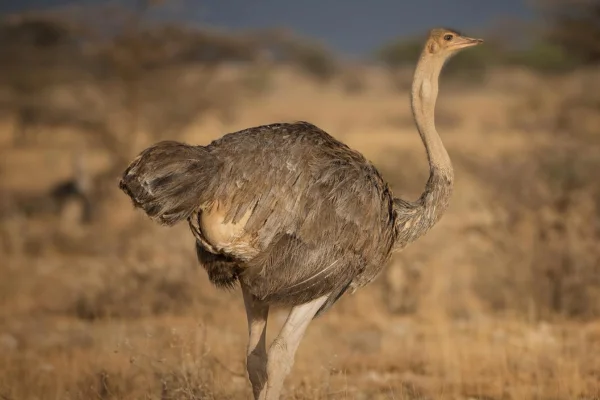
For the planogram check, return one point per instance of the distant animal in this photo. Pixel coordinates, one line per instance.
(293, 215)
(76, 188)
(53, 202)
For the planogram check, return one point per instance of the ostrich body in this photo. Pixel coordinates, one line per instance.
(292, 214)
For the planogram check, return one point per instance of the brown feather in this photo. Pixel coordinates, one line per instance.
(304, 188)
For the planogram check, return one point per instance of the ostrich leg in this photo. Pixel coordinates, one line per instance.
(256, 356)
(283, 348)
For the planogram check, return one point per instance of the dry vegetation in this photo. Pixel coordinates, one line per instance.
(501, 301)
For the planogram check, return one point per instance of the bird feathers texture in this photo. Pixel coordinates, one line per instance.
(322, 218)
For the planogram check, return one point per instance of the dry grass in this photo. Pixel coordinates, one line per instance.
(118, 309)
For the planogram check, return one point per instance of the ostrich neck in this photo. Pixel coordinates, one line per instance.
(415, 219)
(423, 98)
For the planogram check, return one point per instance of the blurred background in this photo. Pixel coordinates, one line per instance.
(501, 300)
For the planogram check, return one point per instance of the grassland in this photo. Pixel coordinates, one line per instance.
(500, 301)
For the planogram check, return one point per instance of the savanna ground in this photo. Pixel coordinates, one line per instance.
(501, 300)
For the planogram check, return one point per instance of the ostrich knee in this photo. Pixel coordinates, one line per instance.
(279, 365)
(281, 357)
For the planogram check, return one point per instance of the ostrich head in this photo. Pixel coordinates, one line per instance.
(444, 43)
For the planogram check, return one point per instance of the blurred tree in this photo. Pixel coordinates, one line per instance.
(33, 52)
(575, 26)
(313, 59)
(400, 52)
(543, 56)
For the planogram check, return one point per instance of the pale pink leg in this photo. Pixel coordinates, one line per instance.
(283, 348)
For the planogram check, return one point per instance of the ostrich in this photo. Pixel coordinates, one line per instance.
(294, 216)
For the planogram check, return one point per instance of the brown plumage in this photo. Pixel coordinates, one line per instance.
(303, 187)
(292, 214)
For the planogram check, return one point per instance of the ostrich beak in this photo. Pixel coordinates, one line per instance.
(462, 42)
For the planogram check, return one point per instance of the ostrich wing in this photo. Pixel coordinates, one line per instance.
(321, 214)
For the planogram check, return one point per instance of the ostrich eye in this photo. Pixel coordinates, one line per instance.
(448, 38)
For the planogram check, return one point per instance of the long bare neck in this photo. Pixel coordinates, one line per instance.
(414, 219)
(423, 98)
